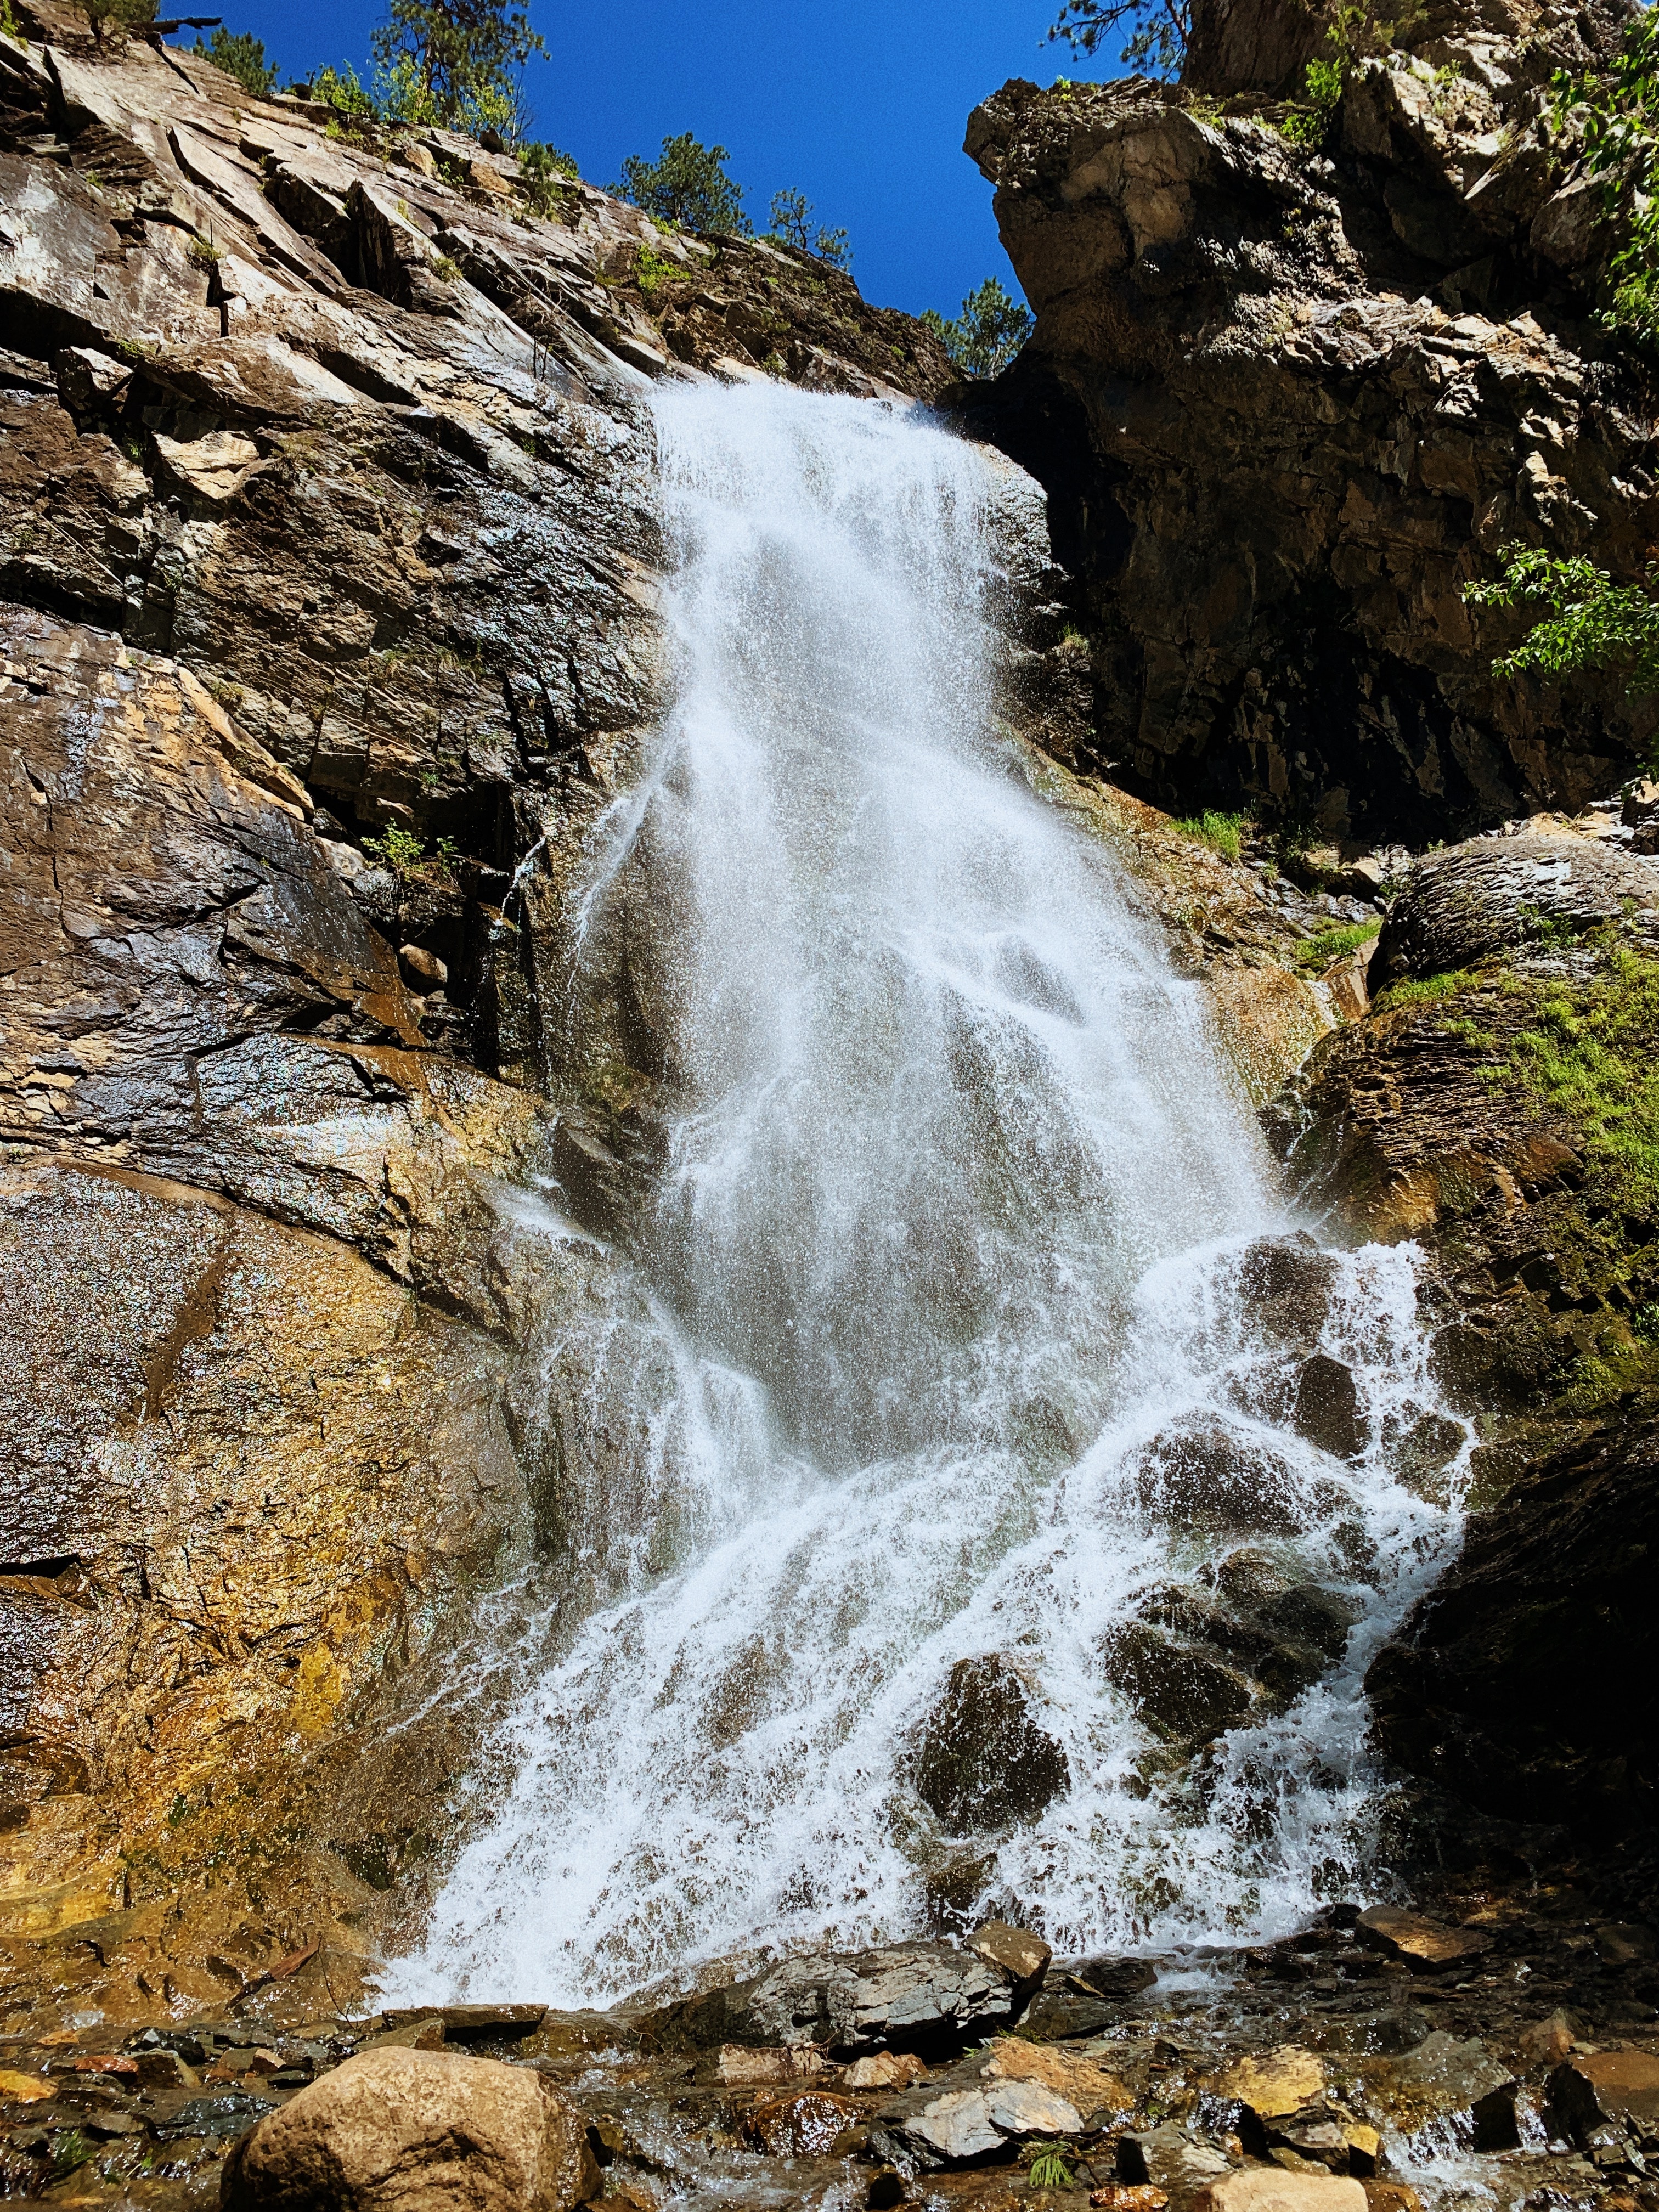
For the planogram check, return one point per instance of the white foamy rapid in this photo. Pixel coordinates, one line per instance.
(962, 1352)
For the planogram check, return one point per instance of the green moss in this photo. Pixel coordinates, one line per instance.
(1590, 1055)
(1222, 833)
(1424, 991)
(1327, 944)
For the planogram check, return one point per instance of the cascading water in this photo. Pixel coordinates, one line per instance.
(984, 1326)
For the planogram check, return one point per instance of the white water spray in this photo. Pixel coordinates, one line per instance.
(965, 1350)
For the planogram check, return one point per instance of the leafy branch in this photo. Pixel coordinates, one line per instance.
(1591, 623)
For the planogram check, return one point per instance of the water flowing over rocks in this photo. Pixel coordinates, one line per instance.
(635, 1367)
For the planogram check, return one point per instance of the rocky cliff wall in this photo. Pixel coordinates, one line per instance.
(1288, 401)
(328, 577)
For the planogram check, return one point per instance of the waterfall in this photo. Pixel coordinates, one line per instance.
(981, 1404)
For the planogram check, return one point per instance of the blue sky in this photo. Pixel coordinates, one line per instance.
(860, 104)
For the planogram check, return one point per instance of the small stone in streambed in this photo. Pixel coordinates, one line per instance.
(1270, 2188)
(1025, 1956)
(472, 2023)
(1421, 1941)
(738, 2066)
(884, 2069)
(394, 2128)
(806, 2126)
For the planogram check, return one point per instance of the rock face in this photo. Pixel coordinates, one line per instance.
(1525, 1684)
(328, 628)
(416, 2131)
(1287, 403)
(1493, 1104)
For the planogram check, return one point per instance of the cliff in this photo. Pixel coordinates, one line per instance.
(328, 582)
(1289, 398)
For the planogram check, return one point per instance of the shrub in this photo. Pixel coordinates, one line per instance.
(118, 17)
(454, 62)
(1615, 114)
(791, 225)
(545, 174)
(398, 849)
(1592, 622)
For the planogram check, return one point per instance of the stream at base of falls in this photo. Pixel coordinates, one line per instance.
(1006, 1489)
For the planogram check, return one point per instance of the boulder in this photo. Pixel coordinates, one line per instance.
(1192, 1696)
(984, 1761)
(1327, 1407)
(1524, 1683)
(1199, 1475)
(1606, 2089)
(1494, 895)
(909, 1996)
(416, 2131)
(1286, 1283)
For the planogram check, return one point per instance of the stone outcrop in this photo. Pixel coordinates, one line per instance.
(1493, 1105)
(1289, 399)
(1524, 1683)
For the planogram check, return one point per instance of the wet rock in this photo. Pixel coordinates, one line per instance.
(806, 2126)
(1201, 1476)
(1114, 1979)
(1498, 895)
(1444, 2077)
(1606, 2089)
(951, 1891)
(472, 2023)
(1016, 1950)
(1327, 1411)
(1055, 2015)
(909, 1995)
(468, 2135)
(1286, 1283)
(1189, 1695)
(983, 1760)
(1425, 1944)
